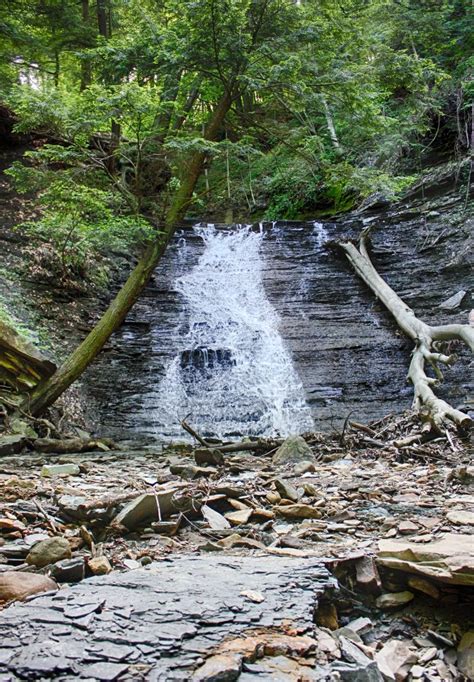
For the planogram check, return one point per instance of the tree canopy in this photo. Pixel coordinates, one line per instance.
(330, 102)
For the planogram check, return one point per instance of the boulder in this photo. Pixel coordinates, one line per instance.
(18, 585)
(49, 552)
(449, 559)
(293, 449)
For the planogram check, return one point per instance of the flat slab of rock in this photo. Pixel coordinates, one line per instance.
(21, 364)
(163, 621)
(449, 559)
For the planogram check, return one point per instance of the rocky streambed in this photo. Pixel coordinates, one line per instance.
(324, 558)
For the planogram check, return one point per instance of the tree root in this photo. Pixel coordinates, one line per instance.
(425, 337)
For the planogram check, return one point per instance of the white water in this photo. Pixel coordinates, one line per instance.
(232, 373)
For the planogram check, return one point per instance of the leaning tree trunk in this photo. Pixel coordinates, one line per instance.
(46, 394)
(425, 337)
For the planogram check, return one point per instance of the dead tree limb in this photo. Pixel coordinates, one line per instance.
(424, 336)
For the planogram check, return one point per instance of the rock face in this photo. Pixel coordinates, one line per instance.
(17, 585)
(344, 345)
(294, 449)
(49, 552)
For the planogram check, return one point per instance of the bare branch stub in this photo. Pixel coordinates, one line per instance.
(424, 336)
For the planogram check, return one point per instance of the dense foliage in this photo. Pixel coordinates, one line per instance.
(332, 102)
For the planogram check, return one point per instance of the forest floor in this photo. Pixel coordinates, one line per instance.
(337, 557)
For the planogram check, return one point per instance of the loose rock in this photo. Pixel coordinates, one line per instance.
(49, 552)
(286, 490)
(298, 511)
(293, 449)
(18, 585)
(100, 565)
(466, 655)
(394, 600)
(50, 470)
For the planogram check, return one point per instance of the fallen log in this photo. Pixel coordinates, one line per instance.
(70, 445)
(425, 337)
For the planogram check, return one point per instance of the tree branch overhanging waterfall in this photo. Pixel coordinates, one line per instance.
(428, 339)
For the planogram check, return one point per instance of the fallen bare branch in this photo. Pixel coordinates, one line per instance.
(423, 335)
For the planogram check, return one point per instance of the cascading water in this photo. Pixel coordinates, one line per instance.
(232, 373)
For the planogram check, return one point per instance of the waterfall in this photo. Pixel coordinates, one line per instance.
(232, 373)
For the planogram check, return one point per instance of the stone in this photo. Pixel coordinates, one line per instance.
(252, 595)
(351, 652)
(298, 511)
(351, 672)
(449, 559)
(18, 585)
(394, 600)
(461, 518)
(303, 467)
(69, 570)
(326, 616)
(367, 575)
(407, 527)
(428, 655)
(189, 472)
(466, 655)
(203, 456)
(327, 642)
(11, 526)
(238, 517)
(145, 507)
(286, 490)
(215, 520)
(425, 586)
(12, 445)
(361, 625)
(51, 470)
(219, 668)
(48, 552)
(454, 301)
(395, 659)
(293, 449)
(99, 565)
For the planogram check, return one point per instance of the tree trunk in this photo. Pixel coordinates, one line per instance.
(424, 336)
(102, 18)
(46, 394)
(85, 63)
(331, 127)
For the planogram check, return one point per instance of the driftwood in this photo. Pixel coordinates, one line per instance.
(262, 444)
(424, 336)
